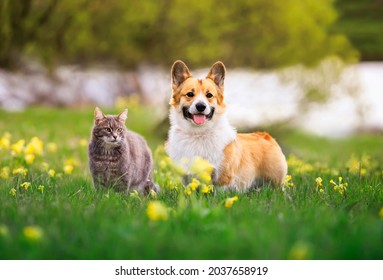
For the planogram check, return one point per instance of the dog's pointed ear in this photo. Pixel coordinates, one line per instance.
(123, 116)
(217, 73)
(180, 72)
(98, 115)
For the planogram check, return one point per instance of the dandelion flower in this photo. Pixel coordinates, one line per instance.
(25, 185)
(157, 211)
(12, 192)
(4, 173)
(29, 158)
(68, 168)
(230, 201)
(51, 173)
(52, 147)
(33, 233)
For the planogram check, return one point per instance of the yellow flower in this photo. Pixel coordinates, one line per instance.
(288, 182)
(157, 211)
(68, 168)
(51, 173)
(33, 233)
(230, 201)
(207, 188)
(4, 173)
(12, 192)
(131, 102)
(163, 164)
(29, 158)
(194, 184)
(52, 147)
(40, 188)
(188, 191)
(202, 169)
(299, 165)
(340, 187)
(381, 213)
(299, 251)
(35, 146)
(5, 143)
(319, 181)
(20, 171)
(25, 185)
(83, 142)
(71, 161)
(44, 166)
(320, 190)
(4, 231)
(18, 147)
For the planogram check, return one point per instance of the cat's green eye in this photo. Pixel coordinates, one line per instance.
(108, 129)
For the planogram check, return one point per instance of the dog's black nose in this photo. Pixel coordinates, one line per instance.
(200, 107)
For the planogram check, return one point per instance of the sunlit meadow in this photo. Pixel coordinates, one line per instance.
(331, 206)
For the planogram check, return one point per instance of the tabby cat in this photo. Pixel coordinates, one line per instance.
(119, 158)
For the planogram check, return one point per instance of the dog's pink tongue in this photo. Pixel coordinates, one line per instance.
(199, 119)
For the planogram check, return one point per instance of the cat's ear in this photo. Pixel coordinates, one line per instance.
(98, 115)
(123, 116)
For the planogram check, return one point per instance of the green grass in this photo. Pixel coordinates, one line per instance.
(72, 220)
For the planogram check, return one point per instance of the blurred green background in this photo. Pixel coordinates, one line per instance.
(252, 33)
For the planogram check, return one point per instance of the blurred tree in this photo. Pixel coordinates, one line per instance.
(252, 33)
(362, 22)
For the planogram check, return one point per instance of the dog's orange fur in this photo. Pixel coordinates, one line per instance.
(254, 155)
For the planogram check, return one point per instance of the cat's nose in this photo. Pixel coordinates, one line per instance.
(114, 136)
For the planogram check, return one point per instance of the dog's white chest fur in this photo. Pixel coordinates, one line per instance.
(208, 142)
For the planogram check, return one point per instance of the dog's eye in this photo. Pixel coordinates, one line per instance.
(209, 95)
(190, 94)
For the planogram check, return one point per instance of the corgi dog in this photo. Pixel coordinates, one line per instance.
(199, 128)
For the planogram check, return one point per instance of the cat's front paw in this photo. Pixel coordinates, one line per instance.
(151, 186)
